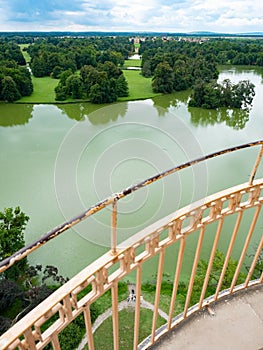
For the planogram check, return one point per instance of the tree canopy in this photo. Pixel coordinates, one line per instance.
(103, 84)
(22, 287)
(229, 95)
(175, 63)
(15, 79)
(12, 225)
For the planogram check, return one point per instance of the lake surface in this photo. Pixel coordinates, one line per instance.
(57, 160)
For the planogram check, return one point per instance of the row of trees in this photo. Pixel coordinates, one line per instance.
(177, 66)
(222, 51)
(88, 68)
(15, 79)
(10, 51)
(103, 84)
(176, 73)
(213, 95)
(174, 65)
(51, 56)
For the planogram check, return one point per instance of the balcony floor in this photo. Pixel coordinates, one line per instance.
(237, 324)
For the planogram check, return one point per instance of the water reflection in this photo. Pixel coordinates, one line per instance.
(83, 111)
(105, 115)
(234, 118)
(78, 111)
(162, 103)
(14, 114)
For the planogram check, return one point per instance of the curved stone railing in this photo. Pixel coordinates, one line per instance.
(105, 273)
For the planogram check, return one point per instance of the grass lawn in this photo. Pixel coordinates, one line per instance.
(139, 87)
(25, 53)
(43, 91)
(103, 337)
(132, 63)
(164, 303)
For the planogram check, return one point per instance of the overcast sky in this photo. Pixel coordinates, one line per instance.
(228, 16)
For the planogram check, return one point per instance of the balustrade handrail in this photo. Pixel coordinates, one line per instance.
(25, 251)
(130, 255)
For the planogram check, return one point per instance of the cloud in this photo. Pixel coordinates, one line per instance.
(136, 15)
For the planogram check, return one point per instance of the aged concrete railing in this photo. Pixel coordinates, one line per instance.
(105, 273)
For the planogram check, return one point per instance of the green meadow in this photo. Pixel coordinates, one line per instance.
(132, 63)
(43, 91)
(140, 88)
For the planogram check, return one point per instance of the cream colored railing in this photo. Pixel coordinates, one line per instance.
(105, 273)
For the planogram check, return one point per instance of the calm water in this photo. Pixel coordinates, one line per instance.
(56, 161)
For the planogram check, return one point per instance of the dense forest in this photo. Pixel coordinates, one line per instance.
(91, 67)
(180, 65)
(15, 79)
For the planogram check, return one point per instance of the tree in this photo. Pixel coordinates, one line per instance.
(214, 95)
(12, 225)
(105, 92)
(198, 94)
(182, 77)
(9, 291)
(57, 70)
(61, 89)
(227, 92)
(5, 323)
(243, 94)
(214, 276)
(74, 86)
(163, 78)
(22, 287)
(146, 69)
(111, 69)
(9, 91)
(91, 76)
(122, 89)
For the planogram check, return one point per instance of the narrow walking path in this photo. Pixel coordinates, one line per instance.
(122, 305)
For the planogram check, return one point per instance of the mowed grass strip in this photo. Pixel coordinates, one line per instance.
(132, 63)
(43, 91)
(25, 53)
(139, 87)
(103, 337)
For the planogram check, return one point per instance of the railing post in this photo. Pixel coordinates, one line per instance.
(115, 321)
(253, 172)
(248, 238)
(114, 227)
(195, 263)
(254, 262)
(88, 325)
(157, 293)
(228, 254)
(176, 280)
(137, 307)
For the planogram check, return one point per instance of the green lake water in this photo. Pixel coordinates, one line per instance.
(57, 160)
